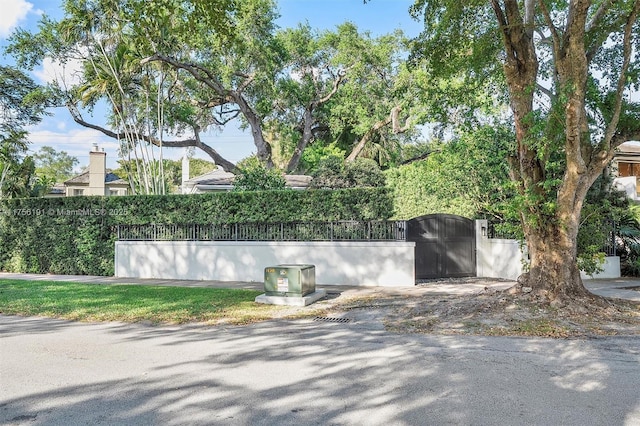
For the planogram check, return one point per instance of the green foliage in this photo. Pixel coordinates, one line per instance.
(254, 176)
(605, 211)
(76, 235)
(313, 156)
(628, 240)
(590, 260)
(21, 103)
(334, 173)
(337, 88)
(467, 176)
(55, 165)
(198, 167)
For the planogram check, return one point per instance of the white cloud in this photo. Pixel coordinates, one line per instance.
(13, 11)
(67, 74)
(76, 142)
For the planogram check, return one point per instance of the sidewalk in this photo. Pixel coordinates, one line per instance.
(621, 288)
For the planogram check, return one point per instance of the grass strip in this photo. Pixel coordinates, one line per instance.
(131, 303)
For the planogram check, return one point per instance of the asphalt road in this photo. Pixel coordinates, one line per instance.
(307, 372)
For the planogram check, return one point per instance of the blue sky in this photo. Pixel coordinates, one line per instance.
(59, 131)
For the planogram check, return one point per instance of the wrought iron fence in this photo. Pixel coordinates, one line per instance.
(609, 246)
(503, 230)
(296, 231)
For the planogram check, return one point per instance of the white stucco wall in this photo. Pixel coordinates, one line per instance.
(497, 258)
(501, 258)
(628, 185)
(385, 264)
(611, 269)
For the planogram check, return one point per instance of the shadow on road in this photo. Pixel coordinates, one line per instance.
(304, 372)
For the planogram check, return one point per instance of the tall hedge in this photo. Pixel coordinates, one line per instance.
(76, 235)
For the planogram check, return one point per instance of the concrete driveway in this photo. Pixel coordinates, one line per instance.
(307, 373)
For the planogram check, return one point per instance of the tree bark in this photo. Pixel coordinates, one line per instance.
(308, 121)
(392, 118)
(551, 236)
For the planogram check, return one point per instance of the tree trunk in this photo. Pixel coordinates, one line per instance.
(551, 213)
(305, 139)
(553, 271)
(366, 138)
(264, 153)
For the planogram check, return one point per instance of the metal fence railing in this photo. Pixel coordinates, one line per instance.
(294, 231)
(609, 246)
(503, 230)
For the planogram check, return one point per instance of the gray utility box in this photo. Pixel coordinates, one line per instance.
(289, 280)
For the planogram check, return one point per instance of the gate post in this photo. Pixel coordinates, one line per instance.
(482, 237)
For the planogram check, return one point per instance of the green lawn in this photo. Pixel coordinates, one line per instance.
(131, 303)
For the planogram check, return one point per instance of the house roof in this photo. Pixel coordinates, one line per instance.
(629, 148)
(109, 177)
(628, 152)
(221, 178)
(297, 181)
(57, 189)
(215, 177)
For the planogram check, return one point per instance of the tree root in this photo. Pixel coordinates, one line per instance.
(577, 302)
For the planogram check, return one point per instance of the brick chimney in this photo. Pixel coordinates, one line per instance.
(97, 171)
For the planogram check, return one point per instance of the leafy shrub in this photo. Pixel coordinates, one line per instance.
(334, 173)
(254, 176)
(76, 235)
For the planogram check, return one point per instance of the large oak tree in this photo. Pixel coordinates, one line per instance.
(121, 47)
(569, 68)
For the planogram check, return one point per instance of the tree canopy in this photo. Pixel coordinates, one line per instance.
(170, 70)
(21, 104)
(567, 70)
(55, 165)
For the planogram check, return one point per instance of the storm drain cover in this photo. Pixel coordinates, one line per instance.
(331, 319)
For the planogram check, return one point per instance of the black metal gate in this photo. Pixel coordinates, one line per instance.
(445, 246)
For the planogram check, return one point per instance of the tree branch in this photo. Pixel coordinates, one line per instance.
(206, 77)
(307, 120)
(627, 51)
(392, 118)
(249, 78)
(194, 69)
(555, 36)
(529, 15)
(504, 28)
(367, 137)
(336, 84)
(597, 17)
(419, 157)
(545, 91)
(395, 112)
(195, 142)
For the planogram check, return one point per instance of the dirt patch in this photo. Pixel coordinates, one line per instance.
(498, 313)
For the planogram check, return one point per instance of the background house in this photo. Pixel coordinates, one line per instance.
(96, 179)
(626, 169)
(219, 180)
